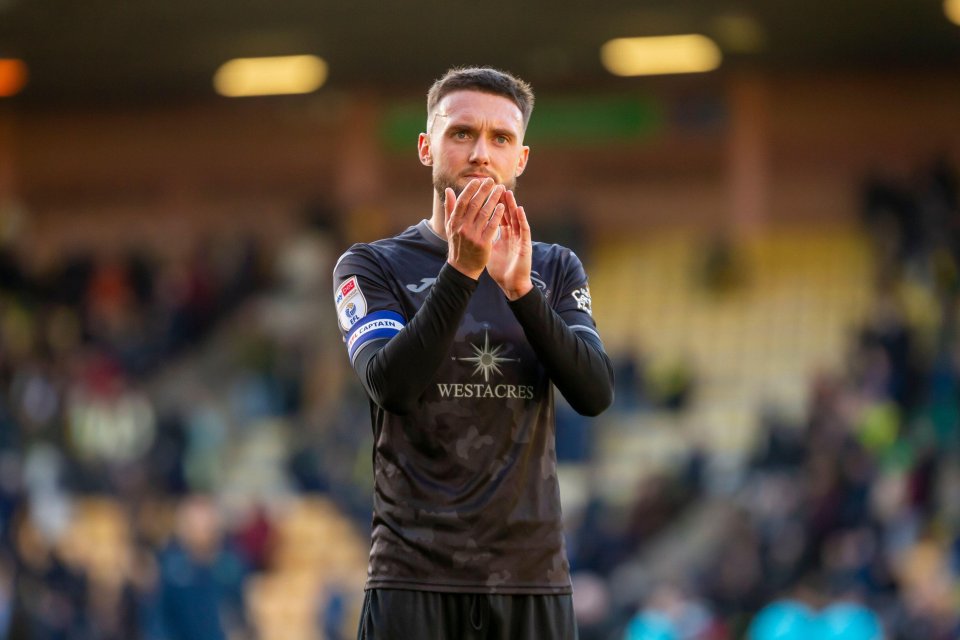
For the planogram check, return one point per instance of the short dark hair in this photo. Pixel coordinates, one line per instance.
(485, 80)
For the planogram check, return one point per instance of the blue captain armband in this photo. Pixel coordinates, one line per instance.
(377, 325)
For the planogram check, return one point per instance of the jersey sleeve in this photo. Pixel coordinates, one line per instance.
(565, 339)
(395, 357)
(367, 309)
(573, 302)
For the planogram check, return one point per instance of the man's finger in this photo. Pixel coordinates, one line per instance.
(511, 201)
(459, 203)
(477, 212)
(449, 202)
(510, 216)
(491, 204)
(494, 223)
(524, 226)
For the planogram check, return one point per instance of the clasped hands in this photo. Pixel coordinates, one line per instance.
(472, 221)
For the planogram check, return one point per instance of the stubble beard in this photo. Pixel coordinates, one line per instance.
(444, 181)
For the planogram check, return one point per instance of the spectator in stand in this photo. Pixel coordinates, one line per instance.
(200, 590)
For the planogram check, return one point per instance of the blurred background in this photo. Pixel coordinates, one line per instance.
(768, 212)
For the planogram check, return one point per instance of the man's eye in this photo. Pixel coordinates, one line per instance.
(460, 135)
(501, 139)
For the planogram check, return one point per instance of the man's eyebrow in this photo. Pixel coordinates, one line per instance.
(470, 125)
(507, 133)
(462, 125)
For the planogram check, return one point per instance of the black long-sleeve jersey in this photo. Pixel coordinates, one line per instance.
(461, 386)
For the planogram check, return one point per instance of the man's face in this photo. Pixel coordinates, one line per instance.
(474, 135)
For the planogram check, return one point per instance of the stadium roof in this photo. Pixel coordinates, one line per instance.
(129, 51)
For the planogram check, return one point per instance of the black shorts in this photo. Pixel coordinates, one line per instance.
(398, 614)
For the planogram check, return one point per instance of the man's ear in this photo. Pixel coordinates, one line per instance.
(522, 163)
(423, 150)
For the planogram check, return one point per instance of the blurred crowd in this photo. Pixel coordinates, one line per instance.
(845, 524)
(197, 393)
(79, 342)
(183, 391)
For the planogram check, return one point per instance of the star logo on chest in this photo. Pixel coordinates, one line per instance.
(487, 359)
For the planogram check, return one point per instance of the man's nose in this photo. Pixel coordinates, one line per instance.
(480, 153)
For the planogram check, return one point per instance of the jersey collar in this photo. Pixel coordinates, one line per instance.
(430, 236)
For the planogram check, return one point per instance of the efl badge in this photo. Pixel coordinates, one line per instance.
(351, 305)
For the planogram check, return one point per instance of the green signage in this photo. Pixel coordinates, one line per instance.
(597, 120)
